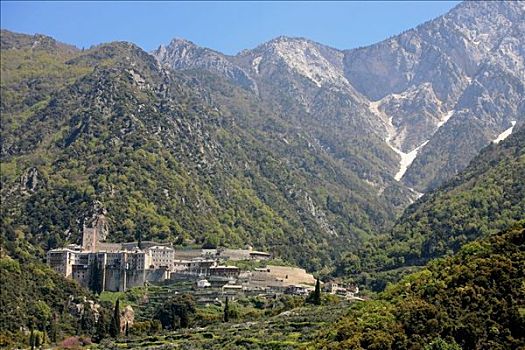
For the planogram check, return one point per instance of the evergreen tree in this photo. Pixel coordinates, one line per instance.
(53, 329)
(317, 293)
(38, 341)
(184, 317)
(138, 236)
(87, 322)
(114, 327)
(32, 337)
(226, 311)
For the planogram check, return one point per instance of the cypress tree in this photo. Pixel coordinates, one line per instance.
(114, 327)
(184, 317)
(226, 311)
(53, 329)
(100, 331)
(87, 322)
(95, 277)
(32, 337)
(317, 293)
(139, 239)
(37, 341)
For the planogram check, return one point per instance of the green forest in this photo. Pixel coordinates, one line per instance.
(189, 159)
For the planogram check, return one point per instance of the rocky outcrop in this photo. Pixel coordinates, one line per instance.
(465, 68)
(127, 317)
(183, 54)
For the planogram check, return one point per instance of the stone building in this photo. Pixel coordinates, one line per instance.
(225, 271)
(125, 265)
(161, 257)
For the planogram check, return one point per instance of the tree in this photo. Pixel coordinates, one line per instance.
(32, 337)
(316, 300)
(176, 312)
(138, 236)
(53, 328)
(226, 311)
(87, 321)
(101, 327)
(114, 327)
(315, 296)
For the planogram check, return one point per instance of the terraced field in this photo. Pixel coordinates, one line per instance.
(295, 329)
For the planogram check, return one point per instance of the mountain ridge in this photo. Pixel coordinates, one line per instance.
(415, 113)
(181, 157)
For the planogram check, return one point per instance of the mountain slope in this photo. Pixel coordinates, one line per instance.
(458, 77)
(181, 157)
(296, 79)
(488, 196)
(473, 299)
(410, 97)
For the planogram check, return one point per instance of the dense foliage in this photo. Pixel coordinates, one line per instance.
(180, 157)
(474, 299)
(34, 296)
(485, 198)
(176, 312)
(189, 159)
(184, 158)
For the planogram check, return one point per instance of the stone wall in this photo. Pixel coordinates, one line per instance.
(157, 275)
(114, 279)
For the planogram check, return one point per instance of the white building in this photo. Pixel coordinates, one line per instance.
(161, 257)
(203, 283)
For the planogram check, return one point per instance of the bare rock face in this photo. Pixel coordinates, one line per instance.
(472, 61)
(305, 84)
(465, 68)
(183, 54)
(30, 181)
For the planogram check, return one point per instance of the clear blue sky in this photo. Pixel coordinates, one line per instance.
(225, 26)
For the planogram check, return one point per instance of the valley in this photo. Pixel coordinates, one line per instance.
(290, 196)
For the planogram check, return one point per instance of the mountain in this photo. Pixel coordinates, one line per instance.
(472, 300)
(423, 101)
(483, 199)
(291, 144)
(487, 197)
(181, 157)
(296, 78)
(293, 147)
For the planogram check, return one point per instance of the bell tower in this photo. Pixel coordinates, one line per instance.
(93, 234)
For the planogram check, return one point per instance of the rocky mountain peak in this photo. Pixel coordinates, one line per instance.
(318, 63)
(184, 54)
(404, 90)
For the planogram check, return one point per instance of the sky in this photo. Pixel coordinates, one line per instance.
(227, 27)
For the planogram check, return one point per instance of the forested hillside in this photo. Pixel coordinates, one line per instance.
(472, 300)
(293, 148)
(487, 197)
(185, 158)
